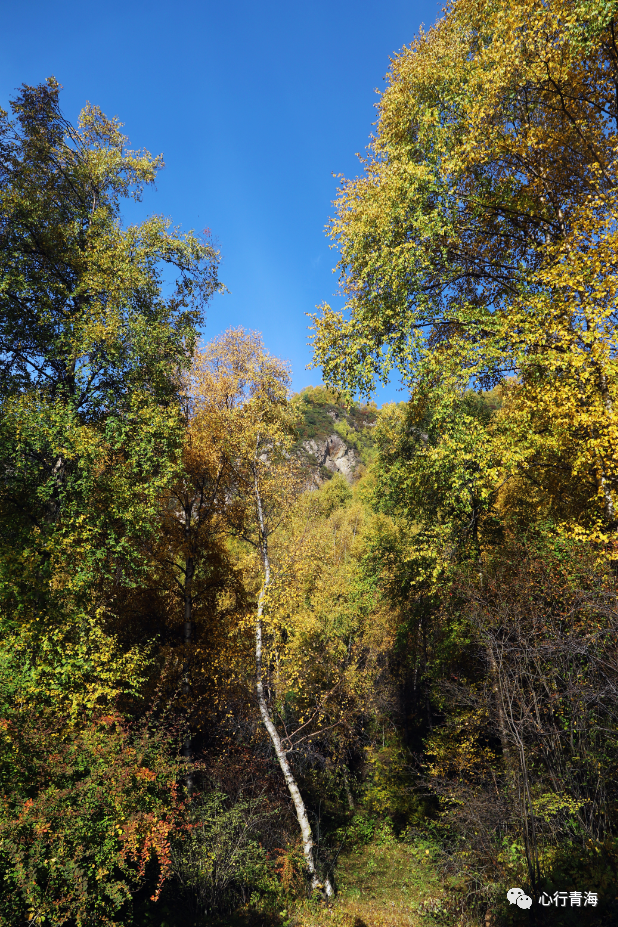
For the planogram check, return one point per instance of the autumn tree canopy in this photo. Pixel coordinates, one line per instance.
(480, 241)
(92, 355)
(91, 432)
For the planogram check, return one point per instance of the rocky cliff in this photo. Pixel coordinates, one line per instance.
(334, 454)
(334, 438)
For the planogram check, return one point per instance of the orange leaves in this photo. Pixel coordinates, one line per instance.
(146, 836)
(99, 807)
(146, 774)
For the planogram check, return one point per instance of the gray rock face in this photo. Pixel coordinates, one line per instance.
(334, 454)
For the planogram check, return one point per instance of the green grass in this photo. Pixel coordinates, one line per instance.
(384, 884)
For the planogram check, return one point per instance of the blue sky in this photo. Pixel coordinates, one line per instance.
(254, 108)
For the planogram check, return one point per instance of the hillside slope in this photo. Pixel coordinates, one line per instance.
(333, 437)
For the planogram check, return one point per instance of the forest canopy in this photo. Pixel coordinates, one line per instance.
(295, 659)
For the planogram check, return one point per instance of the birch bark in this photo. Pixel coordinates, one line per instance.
(299, 805)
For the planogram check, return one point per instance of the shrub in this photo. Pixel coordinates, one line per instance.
(217, 858)
(81, 814)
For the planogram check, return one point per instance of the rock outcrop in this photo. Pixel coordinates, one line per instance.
(333, 454)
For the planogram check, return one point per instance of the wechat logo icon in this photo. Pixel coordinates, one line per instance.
(518, 896)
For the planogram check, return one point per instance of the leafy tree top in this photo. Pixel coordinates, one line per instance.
(82, 308)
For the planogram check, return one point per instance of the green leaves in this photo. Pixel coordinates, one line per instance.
(488, 145)
(481, 241)
(82, 314)
(93, 355)
(438, 474)
(82, 812)
(91, 433)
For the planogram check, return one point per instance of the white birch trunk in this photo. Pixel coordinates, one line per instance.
(299, 805)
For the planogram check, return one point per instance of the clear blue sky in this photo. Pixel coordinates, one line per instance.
(254, 107)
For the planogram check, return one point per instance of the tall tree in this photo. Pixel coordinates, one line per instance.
(240, 387)
(482, 240)
(92, 357)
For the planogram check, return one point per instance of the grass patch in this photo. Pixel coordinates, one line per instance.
(383, 884)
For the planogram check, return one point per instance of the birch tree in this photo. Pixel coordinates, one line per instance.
(243, 393)
(480, 241)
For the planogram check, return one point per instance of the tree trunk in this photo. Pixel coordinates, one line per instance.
(299, 805)
(348, 791)
(507, 754)
(516, 769)
(186, 682)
